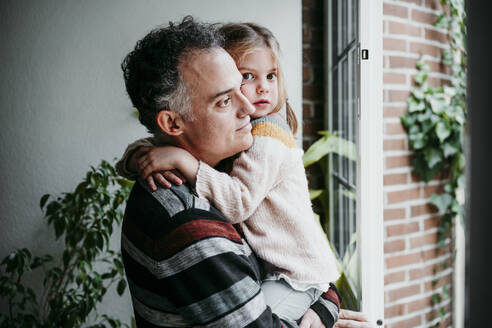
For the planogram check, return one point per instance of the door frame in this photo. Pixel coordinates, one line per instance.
(370, 192)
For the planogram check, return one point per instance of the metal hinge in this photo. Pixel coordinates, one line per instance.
(365, 54)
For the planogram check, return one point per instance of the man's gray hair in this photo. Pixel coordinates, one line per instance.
(151, 71)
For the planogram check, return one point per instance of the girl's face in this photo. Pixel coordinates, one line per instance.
(259, 70)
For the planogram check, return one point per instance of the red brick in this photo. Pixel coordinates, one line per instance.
(434, 4)
(427, 271)
(419, 304)
(416, 2)
(402, 260)
(427, 208)
(431, 222)
(394, 311)
(394, 144)
(397, 294)
(427, 49)
(403, 195)
(398, 161)
(439, 67)
(391, 278)
(437, 82)
(395, 10)
(423, 17)
(394, 44)
(395, 128)
(394, 246)
(394, 78)
(313, 92)
(433, 253)
(444, 280)
(407, 323)
(312, 127)
(394, 213)
(307, 110)
(419, 241)
(394, 179)
(436, 36)
(405, 29)
(402, 62)
(402, 229)
(306, 74)
(429, 190)
(394, 111)
(398, 95)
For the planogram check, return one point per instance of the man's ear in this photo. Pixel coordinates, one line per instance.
(170, 122)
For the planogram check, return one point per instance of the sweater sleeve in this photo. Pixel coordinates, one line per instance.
(122, 164)
(255, 172)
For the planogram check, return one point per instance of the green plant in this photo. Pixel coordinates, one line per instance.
(73, 285)
(327, 144)
(435, 123)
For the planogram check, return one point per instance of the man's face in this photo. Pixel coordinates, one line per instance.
(221, 124)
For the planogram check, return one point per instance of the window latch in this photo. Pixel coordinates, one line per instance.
(365, 54)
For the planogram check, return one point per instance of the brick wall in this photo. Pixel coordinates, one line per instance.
(313, 77)
(410, 222)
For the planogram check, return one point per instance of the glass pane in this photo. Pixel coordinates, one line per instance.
(335, 30)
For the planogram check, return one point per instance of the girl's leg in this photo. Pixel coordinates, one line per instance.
(286, 302)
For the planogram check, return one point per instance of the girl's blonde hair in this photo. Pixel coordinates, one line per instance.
(242, 39)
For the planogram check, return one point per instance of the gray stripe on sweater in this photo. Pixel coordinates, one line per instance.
(157, 318)
(219, 303)
(186, 258)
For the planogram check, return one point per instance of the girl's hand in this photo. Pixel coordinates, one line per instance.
(163, 179)
(157, 165)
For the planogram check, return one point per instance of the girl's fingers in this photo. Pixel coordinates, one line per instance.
(170, 175)
(162, 180)
(151, 183)
(179, 175)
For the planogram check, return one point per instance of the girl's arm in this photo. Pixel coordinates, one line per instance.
(128, 165)
(254, 174)
(124, 165)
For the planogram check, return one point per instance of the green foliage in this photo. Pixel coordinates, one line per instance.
(435, 123)
(73, 285)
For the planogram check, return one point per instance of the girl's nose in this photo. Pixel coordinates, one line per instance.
(262, 87)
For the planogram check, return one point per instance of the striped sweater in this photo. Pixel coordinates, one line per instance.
(187, 266)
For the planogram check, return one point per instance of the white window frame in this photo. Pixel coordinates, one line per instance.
(370, 177)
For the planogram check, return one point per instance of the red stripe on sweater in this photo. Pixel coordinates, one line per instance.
(190, 232)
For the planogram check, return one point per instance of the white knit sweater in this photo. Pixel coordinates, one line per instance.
(266, 194)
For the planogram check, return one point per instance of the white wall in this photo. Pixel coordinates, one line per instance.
(63, 102)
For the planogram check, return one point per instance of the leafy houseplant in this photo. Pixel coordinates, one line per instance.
(316, 154)
(73, 286)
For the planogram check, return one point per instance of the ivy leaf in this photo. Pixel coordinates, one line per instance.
(449, 149)
(443, 130)
(442, 201)
(415, 105)
(418, 93)
(420, 77)
(437, 105)
(432, 156)
(418, 140)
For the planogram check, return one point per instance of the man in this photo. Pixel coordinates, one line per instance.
(186, 264)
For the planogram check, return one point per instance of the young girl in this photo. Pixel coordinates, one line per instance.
(266, 192)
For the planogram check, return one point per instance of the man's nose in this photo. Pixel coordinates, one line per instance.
(245, 107)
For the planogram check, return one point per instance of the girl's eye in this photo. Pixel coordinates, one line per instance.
(271, 76)
(225, 102)
(247, 76)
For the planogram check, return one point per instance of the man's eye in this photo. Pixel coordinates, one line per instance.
(225, 102)
(247, 76)
(271, 76)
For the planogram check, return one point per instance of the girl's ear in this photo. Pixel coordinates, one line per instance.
(170, 122)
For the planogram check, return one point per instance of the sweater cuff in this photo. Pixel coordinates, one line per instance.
(203, 178)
